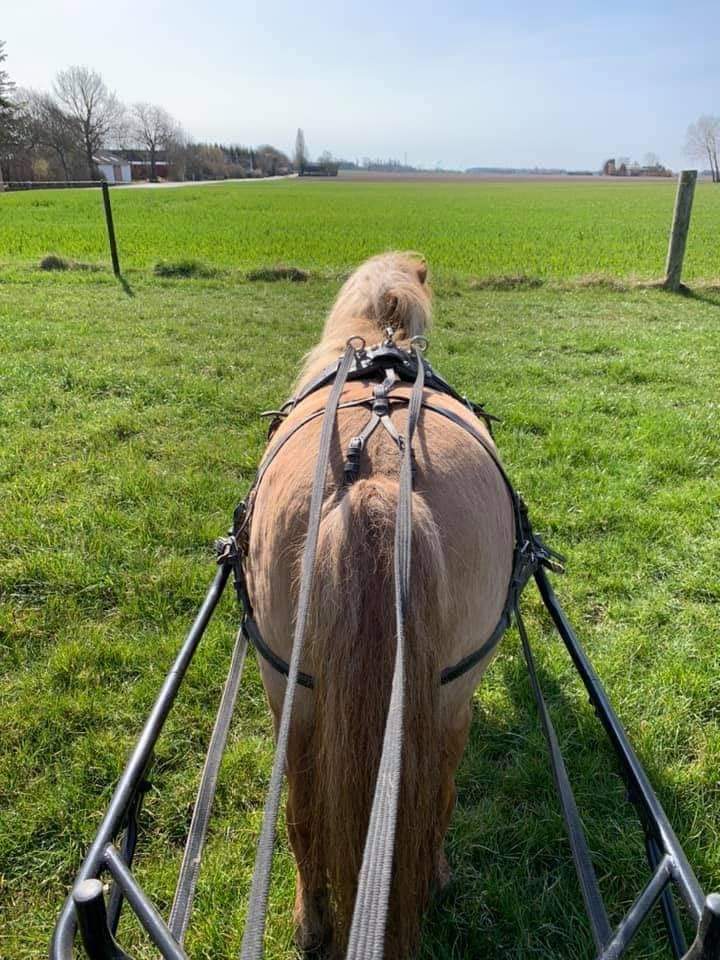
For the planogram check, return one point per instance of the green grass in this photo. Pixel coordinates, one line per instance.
(129, 429)
(547, 230)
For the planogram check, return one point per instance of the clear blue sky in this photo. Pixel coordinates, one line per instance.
(515, 83)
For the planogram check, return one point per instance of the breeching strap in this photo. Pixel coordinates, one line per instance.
(252, 944)
(367, 932)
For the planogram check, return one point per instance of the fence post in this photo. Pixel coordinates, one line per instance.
(679, 230)
(110, 228)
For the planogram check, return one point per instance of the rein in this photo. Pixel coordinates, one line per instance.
(252, 945)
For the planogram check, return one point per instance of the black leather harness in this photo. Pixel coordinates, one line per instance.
(389, 366)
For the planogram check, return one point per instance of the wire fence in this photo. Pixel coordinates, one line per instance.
(20, 185)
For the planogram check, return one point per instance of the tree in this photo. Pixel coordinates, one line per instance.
(154, 129)
(651, 160)
(703, 143)
(48, 126)
(96, 110)
(8, 109)
(270, 161)
(301, 157)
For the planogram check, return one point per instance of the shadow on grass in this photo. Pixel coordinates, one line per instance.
(514, 892)
(127, 289)
(709, 295)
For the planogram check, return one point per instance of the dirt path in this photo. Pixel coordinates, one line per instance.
(163, 184)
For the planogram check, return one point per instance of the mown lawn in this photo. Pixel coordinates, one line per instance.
(129, 429)
(542, 230)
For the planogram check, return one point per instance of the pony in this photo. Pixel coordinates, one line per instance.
(462, 555)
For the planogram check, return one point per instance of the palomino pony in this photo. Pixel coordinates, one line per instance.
(462, 556)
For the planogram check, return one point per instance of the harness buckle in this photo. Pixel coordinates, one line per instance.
(534, 551)
(226, 551)
(381, 406)
(351, 467)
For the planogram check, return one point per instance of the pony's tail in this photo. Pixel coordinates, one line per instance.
(353, 637)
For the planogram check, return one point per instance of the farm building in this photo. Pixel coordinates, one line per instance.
(329, 169)
(140, 166)
(113, 168)
(611, 169)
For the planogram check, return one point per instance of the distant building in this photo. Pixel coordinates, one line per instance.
(610, 169)
(113, 168)
(139, 161)
(329, 169)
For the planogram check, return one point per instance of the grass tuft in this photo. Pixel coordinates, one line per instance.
(184, 269)
(278, 272)
(506, 282)
(52, 262)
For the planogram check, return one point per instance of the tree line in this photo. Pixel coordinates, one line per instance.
(61, 133)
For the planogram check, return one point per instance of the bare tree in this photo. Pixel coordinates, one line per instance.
(153, 128)
(98, 112)
(48, 126)
(651, 160)
(301, 157)
(703, 143)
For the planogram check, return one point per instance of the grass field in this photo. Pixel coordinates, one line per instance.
(544, 230)
(129, 429)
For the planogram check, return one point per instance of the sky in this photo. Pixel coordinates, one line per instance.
(444, 83)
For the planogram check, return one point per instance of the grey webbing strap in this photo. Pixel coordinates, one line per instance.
(252, 945)
(367, 932)
(187, 881)
(390, 428)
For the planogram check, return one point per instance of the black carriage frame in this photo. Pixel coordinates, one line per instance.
(112, 850)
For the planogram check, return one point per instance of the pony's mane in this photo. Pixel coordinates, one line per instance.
(387, 292)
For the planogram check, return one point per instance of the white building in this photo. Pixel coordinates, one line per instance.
(113, 168)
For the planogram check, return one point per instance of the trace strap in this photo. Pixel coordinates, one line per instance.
(367, 932)
(187, 881)
(252, 945)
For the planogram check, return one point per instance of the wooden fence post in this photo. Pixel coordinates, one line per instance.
(679, 230)
(110, 228)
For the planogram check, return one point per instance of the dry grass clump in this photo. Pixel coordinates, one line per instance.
(279, 272)
(184, 269)
(53, 262)
(510, 281)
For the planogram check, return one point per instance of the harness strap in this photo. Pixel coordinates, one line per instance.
(187, 880)
(368, 362)
(367, 932)
(351, 467)
(282, 666)
(380, 415)
(252, 944)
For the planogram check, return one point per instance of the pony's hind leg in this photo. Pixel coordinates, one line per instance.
(310, 916)
(456, 735)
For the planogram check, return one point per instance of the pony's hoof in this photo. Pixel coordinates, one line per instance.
(443, 876)
(312, 934)
(310, 942)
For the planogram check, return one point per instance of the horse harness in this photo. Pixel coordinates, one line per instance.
(386, 367)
